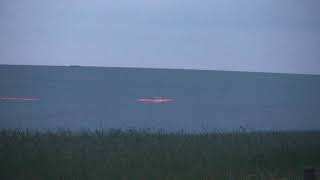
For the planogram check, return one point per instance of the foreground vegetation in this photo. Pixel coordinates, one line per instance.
(142, 155)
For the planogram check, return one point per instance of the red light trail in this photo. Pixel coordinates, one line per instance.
(155, 100)
(18, 99)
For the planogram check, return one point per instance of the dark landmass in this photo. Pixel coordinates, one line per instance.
(140, 154)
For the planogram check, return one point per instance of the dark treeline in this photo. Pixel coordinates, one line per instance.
(144, 154)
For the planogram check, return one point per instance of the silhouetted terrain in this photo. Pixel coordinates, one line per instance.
(137, 155)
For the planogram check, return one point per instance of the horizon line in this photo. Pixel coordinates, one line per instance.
(162, 68)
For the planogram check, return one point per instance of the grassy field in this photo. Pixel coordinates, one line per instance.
(143, 155)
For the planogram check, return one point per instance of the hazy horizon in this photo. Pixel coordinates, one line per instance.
(161, 68)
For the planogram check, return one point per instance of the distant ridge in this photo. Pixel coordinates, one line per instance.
(156, 68)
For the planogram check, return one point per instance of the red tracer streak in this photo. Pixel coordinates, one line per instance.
(19, 99)
(155, 100)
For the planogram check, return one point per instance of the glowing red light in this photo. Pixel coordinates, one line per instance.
(19, 99)
(155, 100)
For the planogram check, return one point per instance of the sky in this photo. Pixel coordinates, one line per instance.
(248, 35)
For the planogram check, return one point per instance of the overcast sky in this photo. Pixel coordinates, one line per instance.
(242, 35)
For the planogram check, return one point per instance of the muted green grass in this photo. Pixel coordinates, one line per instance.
(142, 155)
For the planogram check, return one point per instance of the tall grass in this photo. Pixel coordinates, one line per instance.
(142, 155)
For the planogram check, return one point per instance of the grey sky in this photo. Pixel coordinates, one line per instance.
(245, 35)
